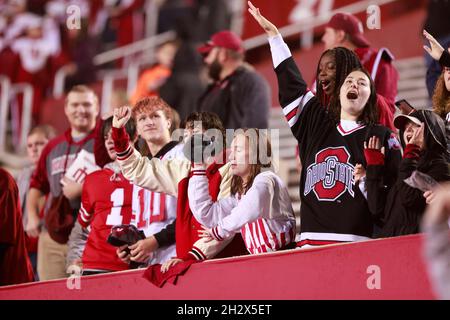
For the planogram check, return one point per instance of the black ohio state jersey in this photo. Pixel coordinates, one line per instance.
(333, 207)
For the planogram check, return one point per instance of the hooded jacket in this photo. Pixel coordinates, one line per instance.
(398, 211)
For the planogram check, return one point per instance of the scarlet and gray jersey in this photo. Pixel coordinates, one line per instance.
(333, 207)
(105, 202)
(153, 211)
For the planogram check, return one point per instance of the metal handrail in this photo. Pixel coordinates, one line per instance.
(60, 79)
(108, 82)
(136, 47)
(8, 92)
(5, 85)
(27, 90)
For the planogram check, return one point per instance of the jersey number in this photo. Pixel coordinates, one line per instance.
(115, 217)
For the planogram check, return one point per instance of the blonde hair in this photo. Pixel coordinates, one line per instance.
(237, 183)
(48, 131)
(81, 89)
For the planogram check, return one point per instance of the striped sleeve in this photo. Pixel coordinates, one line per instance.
(294, 95)
(204, 249)
(155, 175)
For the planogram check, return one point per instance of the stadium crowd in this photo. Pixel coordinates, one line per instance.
(160, 183)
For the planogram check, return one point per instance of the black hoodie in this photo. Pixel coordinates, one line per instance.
(398, 211)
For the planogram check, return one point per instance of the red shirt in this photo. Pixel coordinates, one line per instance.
(105, 202)
(15, 266)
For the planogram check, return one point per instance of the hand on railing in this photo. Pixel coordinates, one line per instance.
(268, 26)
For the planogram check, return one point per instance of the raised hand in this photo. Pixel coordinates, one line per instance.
(268, 26)
(121, 116)
(375, 144)
(435, 50)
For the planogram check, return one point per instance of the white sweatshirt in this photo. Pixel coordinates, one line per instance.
(264, 215)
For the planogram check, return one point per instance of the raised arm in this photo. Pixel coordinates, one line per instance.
(293, 92)
(204, 209)
(155, 174)
(436, 51)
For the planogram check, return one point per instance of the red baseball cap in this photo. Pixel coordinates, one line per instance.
(352, 26)
(225, 39)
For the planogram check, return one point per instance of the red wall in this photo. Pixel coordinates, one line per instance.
(331, 272)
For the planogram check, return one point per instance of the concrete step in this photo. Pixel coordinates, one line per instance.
(408, 84)
(413, 73)
(411, 94)
(409, 63)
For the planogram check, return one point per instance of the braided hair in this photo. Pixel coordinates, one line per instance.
(346, 61)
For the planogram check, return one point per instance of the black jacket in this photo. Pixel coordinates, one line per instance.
(242, 100)
(398, 211)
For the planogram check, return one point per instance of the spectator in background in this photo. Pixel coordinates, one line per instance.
(36, 141)
(153, 78)
(437, 23)
(185, 85)
(441, 95)
(238, 95)
(436, 247)
(128, 21)
(80, 49)
(15, 266)
(81, 108)
(210, 17)
(170, 11)
(345, 30)
(34, 50)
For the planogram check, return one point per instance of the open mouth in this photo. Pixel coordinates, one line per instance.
(326, 84)
(352, 95)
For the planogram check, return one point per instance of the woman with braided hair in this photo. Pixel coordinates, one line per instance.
(334, 66)
(334, 207)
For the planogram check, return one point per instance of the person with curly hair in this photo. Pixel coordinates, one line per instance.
(441, 95)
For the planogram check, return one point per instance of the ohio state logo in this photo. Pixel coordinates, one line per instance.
(331, 175)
